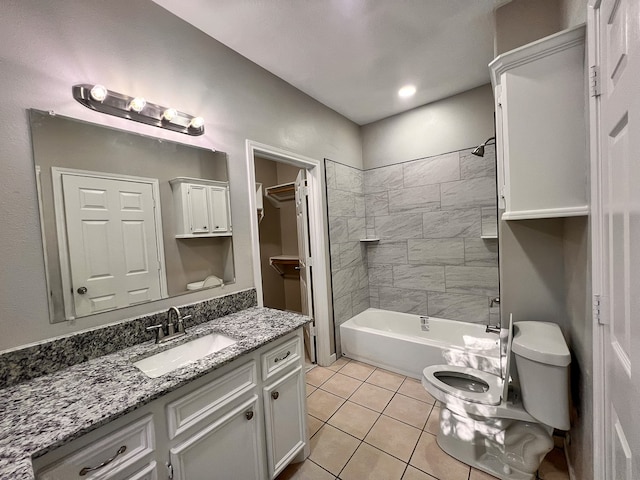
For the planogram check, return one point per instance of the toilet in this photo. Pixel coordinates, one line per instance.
(502, 427)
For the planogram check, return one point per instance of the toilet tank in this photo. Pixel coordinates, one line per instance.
(542, 360)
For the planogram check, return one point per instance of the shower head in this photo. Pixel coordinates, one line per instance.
(479, 150)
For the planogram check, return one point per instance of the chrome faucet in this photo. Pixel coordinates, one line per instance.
(171, 329)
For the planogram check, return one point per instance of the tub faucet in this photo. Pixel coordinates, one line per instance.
(493, 329)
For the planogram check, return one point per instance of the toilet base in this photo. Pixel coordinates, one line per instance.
(507, 449)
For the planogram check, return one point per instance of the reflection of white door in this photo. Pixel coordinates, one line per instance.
(619, 46)
(306, 297)
(111, 237)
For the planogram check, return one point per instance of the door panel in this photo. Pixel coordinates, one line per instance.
(619, 42)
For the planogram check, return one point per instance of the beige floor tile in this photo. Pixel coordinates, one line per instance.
(371, 464)
(385, 379)
(433, 423)
(414, 389)
(429, 458)
(393, 437)
(358, 370)
(310, 389)
(332, 449)
(413, 473)
(317, 376)
(341, 385)
(554, 466)
(479, 475)
(354, 419)
(338, 364)
(313, 425)
(370, 396)
(408, 410)
(306, 470)
(323, 404)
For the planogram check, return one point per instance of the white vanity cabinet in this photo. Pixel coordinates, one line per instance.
(540, 127)
(246, 420)
(201, 207)
(284, 399)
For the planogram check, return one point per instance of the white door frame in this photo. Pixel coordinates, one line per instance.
(323, 313)
(593, 58)
(61, 230)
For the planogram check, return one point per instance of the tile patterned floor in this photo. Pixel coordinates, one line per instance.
(369, 424)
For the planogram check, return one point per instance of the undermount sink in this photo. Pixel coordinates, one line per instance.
(181, 355)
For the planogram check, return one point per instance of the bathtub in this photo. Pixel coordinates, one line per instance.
(399, 342)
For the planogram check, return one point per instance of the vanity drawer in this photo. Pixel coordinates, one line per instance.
(116, 452)
(199, 405)
(280, 357)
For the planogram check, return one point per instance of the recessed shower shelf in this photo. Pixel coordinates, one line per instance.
(369, 240)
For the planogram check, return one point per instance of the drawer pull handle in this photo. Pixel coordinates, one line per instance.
(249, 415)
(86, 470)
(275, 395)
(279, 359)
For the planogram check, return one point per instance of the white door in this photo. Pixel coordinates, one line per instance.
(619, 45)
(111, 235)
(302, 223)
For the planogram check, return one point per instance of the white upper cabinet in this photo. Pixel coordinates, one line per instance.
(540, 93)
(201, 207)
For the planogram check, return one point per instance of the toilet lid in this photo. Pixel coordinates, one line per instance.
(491, 396)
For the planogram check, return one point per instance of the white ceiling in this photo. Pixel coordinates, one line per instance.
(354, 55)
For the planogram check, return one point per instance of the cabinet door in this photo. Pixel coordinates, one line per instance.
(198, 203)
(228, 448)
(219, 209)
(284, 402)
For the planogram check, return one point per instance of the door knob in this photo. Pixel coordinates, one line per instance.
(249, 415)
(82, 290)
(275, 395)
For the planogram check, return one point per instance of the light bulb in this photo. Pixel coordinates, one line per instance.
(407, 91)
(137, 104)
(196, 122)
(169, 114)
(99, 93)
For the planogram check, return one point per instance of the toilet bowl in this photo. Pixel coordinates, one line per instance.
(503, 429)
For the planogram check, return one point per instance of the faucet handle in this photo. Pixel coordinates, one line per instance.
(181, 323)
(159, 329)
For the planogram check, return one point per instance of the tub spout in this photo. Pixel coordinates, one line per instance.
(493, 329)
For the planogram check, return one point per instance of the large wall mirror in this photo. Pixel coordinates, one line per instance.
(127, 219)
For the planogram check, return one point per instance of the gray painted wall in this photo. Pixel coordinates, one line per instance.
(448, 125)
(135, 48)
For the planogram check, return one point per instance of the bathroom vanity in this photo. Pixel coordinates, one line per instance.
(237, 413)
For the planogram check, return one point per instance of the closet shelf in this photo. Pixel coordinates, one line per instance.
(279, 262)
(278, 194)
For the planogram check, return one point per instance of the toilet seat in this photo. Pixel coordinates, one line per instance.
(492, 396)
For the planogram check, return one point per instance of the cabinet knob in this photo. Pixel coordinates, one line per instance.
(275, 395)
(82, 290)
(249, 414)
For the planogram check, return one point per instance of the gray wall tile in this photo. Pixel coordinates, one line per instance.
(387, 252)
(433, 170)
(348, 178)
(374, 297)
(416, 199)
(342, 309)
(356, 228)
(340, 203)
(376, 204)
(489, 221)
(475, 192)
(474, 280)
(436, 251)
(381, 275)
(403, 300)
(398, 227)
(419, 277)
(472, 166)
(451, 223)
(334, 252)
(481, 252)
(352, 254)
(330, 172)
(383, 179)
(360, 300)
(468, 308)
(338, 229)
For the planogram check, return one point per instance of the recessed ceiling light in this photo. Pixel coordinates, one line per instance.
(407, 91)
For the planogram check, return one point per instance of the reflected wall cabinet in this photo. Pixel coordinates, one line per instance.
(202, 207)
(541, 128)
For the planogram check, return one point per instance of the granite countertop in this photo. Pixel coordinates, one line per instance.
(44, 413)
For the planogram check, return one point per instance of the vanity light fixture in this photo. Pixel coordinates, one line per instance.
(97, 97)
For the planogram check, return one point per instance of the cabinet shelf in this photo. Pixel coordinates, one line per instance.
(278, 194)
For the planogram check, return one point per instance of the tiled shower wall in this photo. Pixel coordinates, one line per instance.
(429, 215)
(346, 212)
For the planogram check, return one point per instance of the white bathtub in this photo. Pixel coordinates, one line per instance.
(396, 342)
